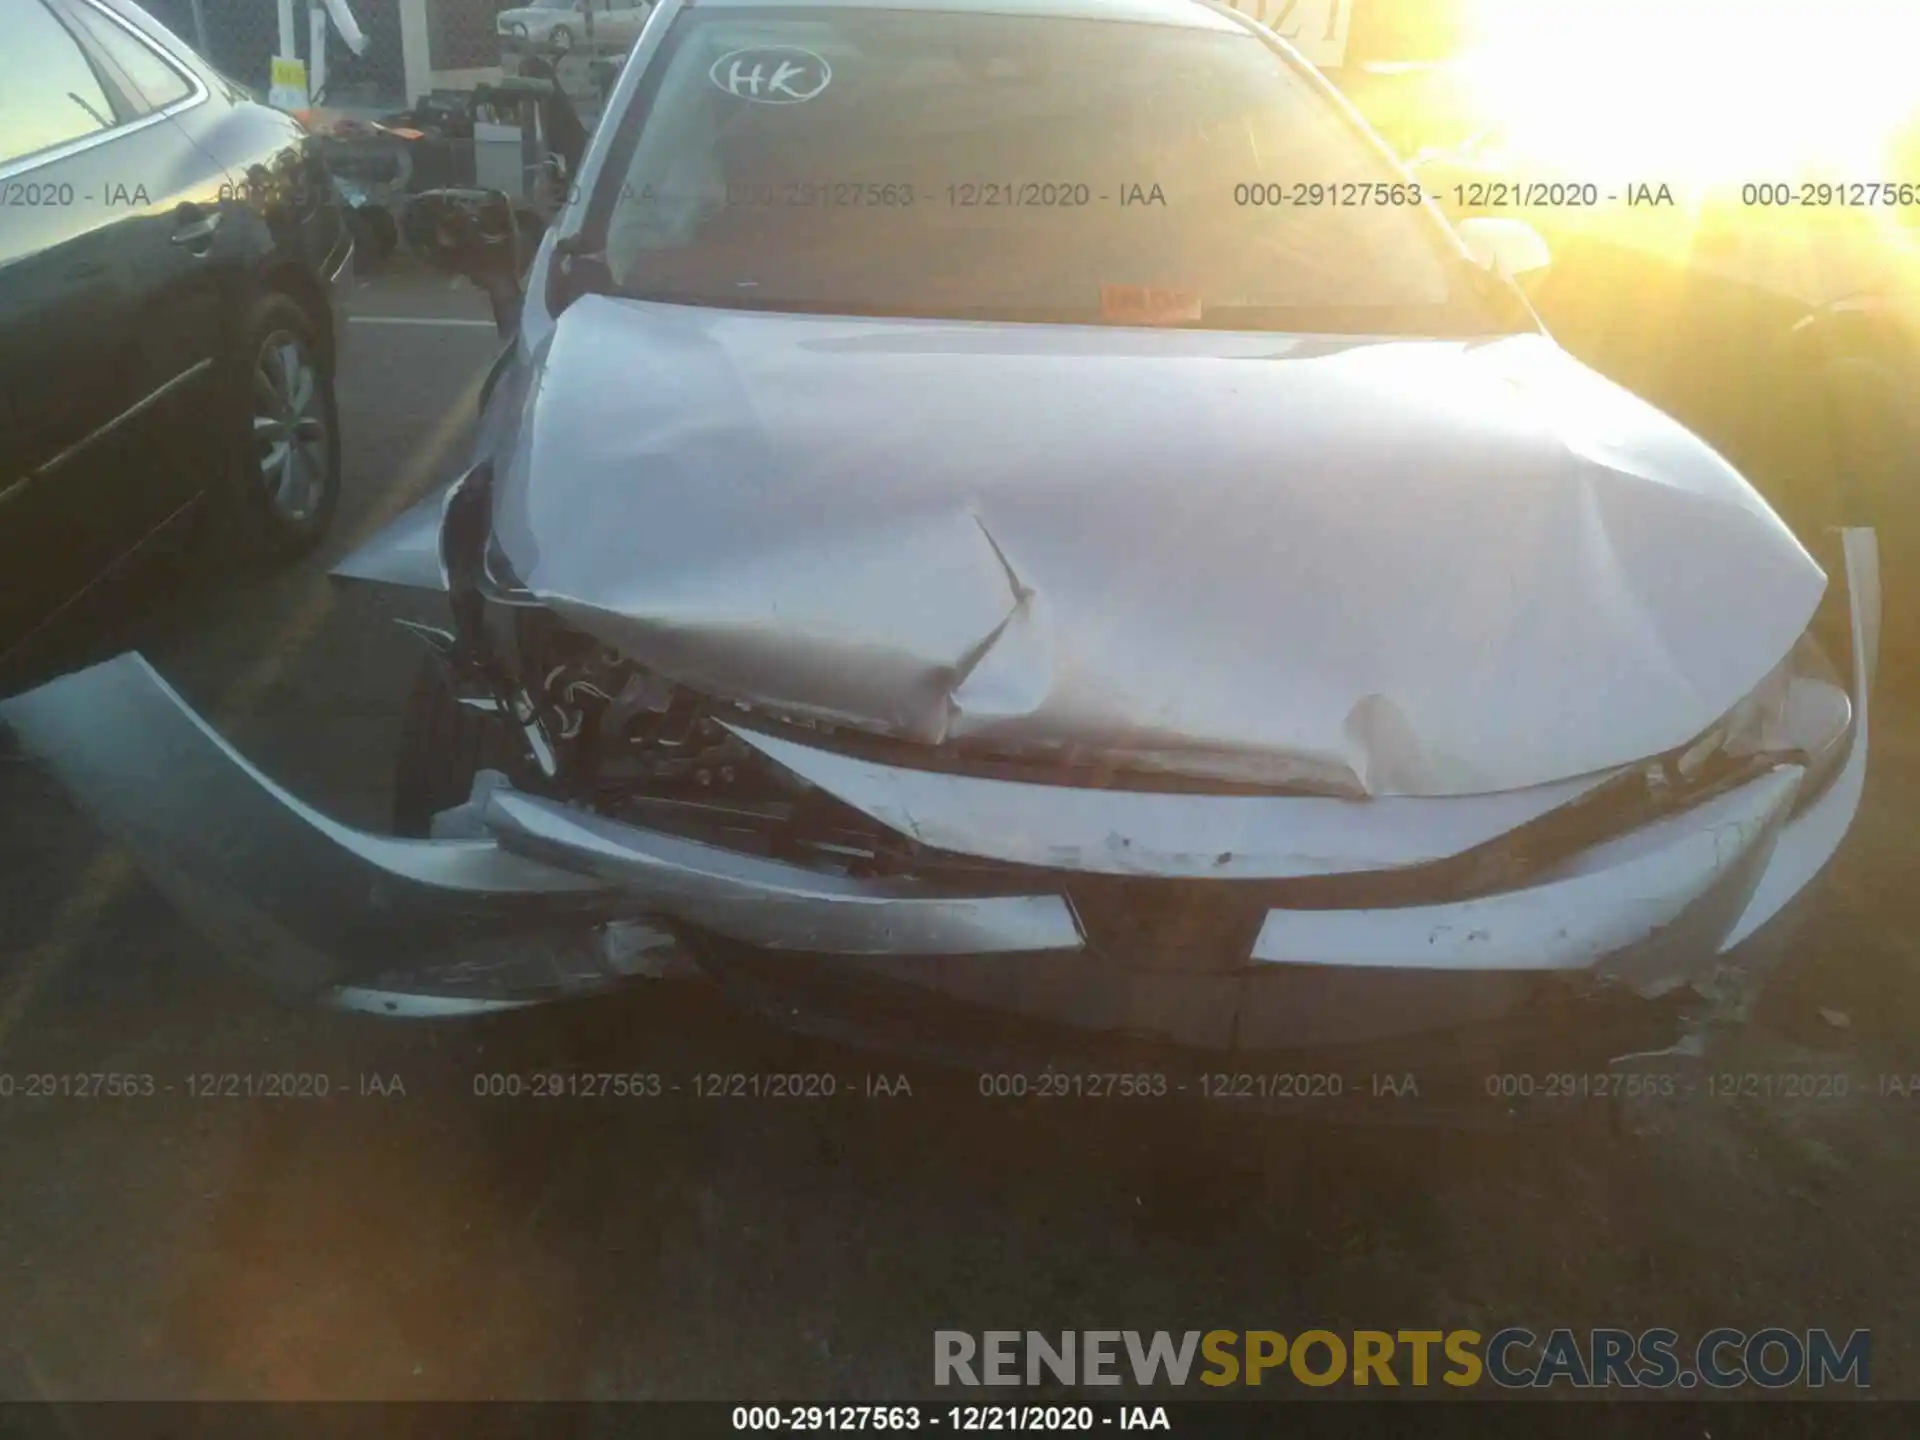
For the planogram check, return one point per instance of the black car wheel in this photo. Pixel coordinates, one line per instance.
(283, 483)
(561, 39)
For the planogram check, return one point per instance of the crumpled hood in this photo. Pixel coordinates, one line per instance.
(1416, 567)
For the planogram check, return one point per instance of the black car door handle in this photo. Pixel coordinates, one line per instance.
(194, 227)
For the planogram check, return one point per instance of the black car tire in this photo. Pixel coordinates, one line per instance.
(561, 40)
(257, 526)
(443, 745)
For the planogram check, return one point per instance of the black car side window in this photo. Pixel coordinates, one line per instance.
(153, 80)
(49, 94)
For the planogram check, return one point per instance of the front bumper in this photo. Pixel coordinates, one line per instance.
(317, 908)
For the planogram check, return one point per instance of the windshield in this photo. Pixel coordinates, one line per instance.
(1002, 167)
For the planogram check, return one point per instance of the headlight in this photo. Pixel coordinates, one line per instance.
(1800, 707)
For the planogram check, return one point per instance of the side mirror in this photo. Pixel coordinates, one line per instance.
(474, 233)
(1509, 248)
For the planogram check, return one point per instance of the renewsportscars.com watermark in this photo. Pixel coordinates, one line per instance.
(1511, 1358)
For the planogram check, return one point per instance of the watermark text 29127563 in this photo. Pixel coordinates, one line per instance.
(77, 1085)
(1831, 194)
(1315, 194)
(199, 1085)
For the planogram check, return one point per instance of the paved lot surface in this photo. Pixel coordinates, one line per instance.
(404, 1238)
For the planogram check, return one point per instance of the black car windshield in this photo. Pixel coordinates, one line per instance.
(991, 166)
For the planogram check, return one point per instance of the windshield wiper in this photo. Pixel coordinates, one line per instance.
(1512, 312)
(794, 306)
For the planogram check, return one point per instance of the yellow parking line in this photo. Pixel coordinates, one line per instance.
(110, 869)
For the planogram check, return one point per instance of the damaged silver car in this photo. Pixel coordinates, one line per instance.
(1028, 507)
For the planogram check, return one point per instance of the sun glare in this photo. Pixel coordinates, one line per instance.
(1697, 92)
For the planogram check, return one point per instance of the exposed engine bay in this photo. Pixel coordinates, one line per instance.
(596, 729)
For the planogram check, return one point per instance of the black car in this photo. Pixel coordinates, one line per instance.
(169, 255)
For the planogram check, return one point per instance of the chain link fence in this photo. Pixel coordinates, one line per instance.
(464, 34)
(465, 43)
(241, 36)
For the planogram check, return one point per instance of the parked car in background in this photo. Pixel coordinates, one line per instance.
(967, 524)
(606, 26)
(169, 255)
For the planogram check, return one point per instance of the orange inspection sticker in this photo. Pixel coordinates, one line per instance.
(1148, 305)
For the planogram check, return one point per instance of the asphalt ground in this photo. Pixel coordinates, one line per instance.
(406, 1237)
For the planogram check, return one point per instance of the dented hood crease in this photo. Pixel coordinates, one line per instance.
(1420, 567)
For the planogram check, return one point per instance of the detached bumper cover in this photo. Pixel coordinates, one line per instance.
(297, 896)
(312, 904)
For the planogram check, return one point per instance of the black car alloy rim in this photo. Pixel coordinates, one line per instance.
(290, 426)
